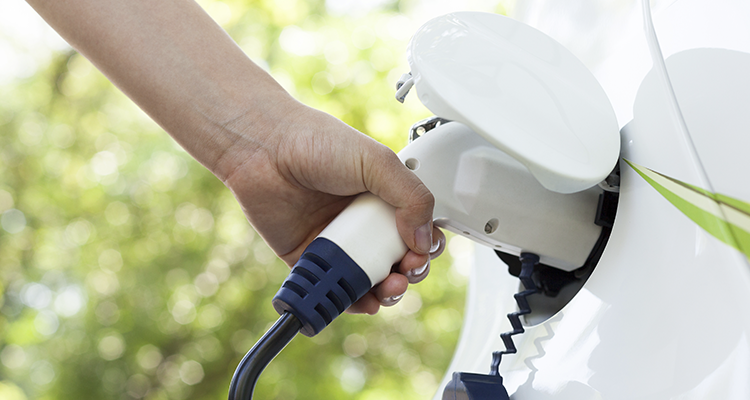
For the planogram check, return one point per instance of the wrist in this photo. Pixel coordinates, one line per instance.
(239, 131)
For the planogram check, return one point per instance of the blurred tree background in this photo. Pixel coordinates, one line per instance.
(128, 271)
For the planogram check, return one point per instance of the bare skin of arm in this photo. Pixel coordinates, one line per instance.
(291, 168)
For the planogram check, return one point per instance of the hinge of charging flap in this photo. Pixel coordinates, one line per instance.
(424, 126)
(404, 84)
(612, 182)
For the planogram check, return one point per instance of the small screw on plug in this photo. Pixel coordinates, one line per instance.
(491, 226)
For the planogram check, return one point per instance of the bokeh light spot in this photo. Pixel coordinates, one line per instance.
(36, 295)
(191, 372)
(110, 260)
(210, 316)
(9, 391)
(111, 346)
(149, 357)
(46, 323)
(117, 213)
(336, 52)
(13, 356)
(183, 312)
(295, 40)
(355, 345)
(13, 221)
(137, 386)
(42, 373)
(69, 301)
(107, 313)
(206, 284)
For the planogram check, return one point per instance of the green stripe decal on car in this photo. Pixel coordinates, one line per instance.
(724, 217)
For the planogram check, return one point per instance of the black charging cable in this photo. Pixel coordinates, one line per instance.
(323, 283)
(528, 261)
(256, 360)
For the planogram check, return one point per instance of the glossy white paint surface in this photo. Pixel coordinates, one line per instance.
(720, 129)
(666, 314)
(522, 91)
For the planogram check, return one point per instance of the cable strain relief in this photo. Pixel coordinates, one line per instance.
(322, 284)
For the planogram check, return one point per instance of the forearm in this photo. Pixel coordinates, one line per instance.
(180, 67)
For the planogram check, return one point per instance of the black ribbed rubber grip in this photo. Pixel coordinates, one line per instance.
(323, 283)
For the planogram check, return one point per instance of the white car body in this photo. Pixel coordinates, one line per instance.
(666, 312)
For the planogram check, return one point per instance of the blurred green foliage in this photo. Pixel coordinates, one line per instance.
(128, 271)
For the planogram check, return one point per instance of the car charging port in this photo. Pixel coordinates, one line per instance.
(557, 286)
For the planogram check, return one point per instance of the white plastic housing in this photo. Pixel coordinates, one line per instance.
(486, 195)
(367, 232)
(522, 91)
(481, 193)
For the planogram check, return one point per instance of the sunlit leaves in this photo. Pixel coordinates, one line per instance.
(128, 271)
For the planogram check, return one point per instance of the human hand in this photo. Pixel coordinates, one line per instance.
(292, 168)
(292, 177)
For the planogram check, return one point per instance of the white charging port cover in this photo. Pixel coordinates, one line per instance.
(522, 91)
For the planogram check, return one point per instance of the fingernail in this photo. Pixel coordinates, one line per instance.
(423, 238)
(435, 246)
(389, 301)
(417, 274)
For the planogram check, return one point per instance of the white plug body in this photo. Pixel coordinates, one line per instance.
(366, 230)
(486, 195)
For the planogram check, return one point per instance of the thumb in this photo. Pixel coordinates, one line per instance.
(388, 178)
